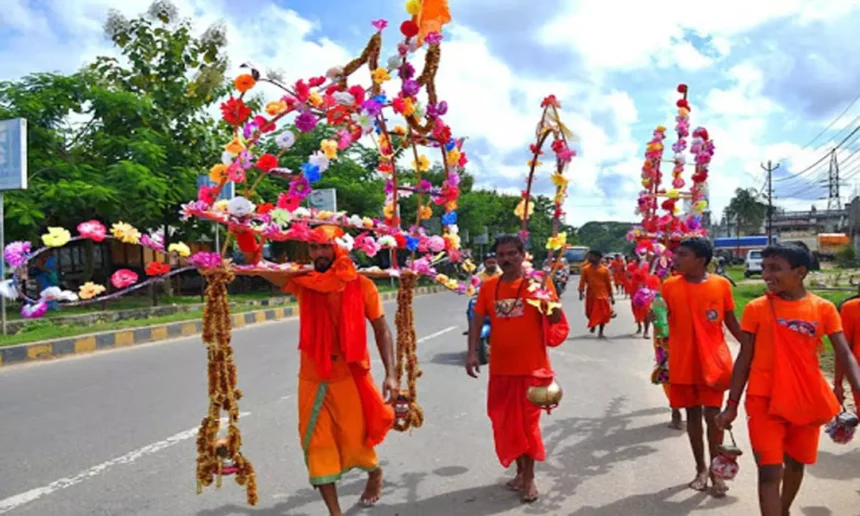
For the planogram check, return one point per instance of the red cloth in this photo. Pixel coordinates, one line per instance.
(516, 421)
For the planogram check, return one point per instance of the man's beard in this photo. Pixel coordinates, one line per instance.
(322, 264)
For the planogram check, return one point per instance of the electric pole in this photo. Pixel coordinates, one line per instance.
(769, 169)
(834, 201)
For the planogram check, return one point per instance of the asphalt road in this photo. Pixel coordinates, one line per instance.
(113, 433)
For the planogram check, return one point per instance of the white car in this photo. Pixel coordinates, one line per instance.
(752, 265)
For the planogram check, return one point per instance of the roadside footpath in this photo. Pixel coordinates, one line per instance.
(93, 342)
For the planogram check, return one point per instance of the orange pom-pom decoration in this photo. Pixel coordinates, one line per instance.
(409, 28)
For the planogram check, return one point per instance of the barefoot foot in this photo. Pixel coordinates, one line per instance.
(719, 487)
(373, 488)
(700, 483)
(530, 492)
(516, 484)
(677, 423)
(591, 330)
(646, 336)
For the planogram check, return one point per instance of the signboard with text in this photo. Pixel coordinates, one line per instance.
(324, 199)
(227, 193)
(13, 154)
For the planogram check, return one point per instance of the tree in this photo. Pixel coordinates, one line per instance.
(747, 210)
(606, 236)
(163, 142)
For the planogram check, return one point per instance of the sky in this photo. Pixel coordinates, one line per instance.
(770, 80)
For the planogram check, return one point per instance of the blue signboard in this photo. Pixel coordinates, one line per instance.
(227, 193)
(13, 154)
(744, 241)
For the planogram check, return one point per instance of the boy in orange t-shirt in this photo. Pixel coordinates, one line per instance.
(850, 313)
(788, 399)
(700, 363)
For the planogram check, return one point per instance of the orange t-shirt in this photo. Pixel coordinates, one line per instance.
(372, 311)
(516, 327)
(850, 322)
(598, 281)
(709, 301)
(811, 316)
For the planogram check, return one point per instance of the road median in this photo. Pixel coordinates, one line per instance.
(115, 339)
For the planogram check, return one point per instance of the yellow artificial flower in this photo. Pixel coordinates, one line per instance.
(399, 129)
(673, 194)
(425, 213)
(125, 233)
(453, 240)
(470, 291)
(315, 99)
(234, 147)
(367, 221)
(388, 211)
(408, 106)
(423, 164)
(559, 197)
(453, 156)
(441, 278)
(180, 248)
(380, 75)
(519, 211)
(661, 129)
(413, 7)
(222, 205)
(276, 107)
(218, 173)
(451, 284)
(90, 290)
(329, 148)
(559, 180)
(56, 237)
(533, 163)
(557, 242)
(451, 206)
(324, 215)
(469, 266)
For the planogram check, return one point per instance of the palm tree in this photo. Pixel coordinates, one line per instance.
(747, 210)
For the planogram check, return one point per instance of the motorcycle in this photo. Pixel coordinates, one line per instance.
(484, 343)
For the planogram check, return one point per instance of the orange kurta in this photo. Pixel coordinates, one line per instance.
(333, 409)
(619, 273)
(597, 285)
(518, 360)
(850, 315)
(700, 363)
(788, 398)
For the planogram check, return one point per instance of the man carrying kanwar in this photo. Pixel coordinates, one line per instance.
(520, 333)
(342, 415)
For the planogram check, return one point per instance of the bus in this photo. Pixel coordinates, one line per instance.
(575, 256)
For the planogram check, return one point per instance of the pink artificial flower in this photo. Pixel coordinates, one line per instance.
(204, 260)
(93, 229)
(153, 242)
(123, 278)
(34, 311)
(422, 266)
(367, 244)
(436, 243)
(236, 172)
(379, 24)
(300, 231)
(344, 139)
(206, 194)
(434, 38)
(16, 254)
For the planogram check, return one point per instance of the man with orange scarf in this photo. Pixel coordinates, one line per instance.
(598, 295)
(342, 415)
(520, 334)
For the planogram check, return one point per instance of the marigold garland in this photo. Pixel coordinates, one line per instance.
(407, 358)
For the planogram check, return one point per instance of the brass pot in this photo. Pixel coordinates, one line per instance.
(545, 395)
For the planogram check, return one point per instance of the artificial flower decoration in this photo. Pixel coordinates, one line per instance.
(57, 294)
(557, 242)
(244, 83)
(520, 210)
(180, 248)
(93, 230)
(34, 311)
(123, 278)
(56, 237)
(16, 254)
(157, 269)
(90, 290)
(8, 290)
(125, 233)
(205, 260)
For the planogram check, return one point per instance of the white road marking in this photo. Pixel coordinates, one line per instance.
(437, 334)
(13, 502)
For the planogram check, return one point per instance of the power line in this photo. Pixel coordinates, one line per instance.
(820, 160)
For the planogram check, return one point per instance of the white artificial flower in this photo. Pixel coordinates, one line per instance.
(394, 62)
(334, 72)
(356, 220)
(344, 98)
(454, 229)
(286, 139)
(227, 158)
(387, 241)
(345, 242)
(319, 160)
(301, 213)
(57, 294)
(240, 207)
(8, 290)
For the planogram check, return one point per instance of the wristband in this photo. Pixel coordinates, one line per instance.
(732, 402)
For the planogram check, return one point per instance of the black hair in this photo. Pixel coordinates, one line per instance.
(596, 253)
(511, 240)
(701, 247)
(795, 255)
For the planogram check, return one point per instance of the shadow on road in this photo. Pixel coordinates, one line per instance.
(830, 466)
(453, 359)
(578, 449)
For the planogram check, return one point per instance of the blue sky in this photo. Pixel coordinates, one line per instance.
(765, 77)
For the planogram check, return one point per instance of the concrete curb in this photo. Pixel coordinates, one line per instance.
(83, 344)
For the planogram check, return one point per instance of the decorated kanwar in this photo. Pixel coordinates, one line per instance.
(788, 399)
(526, 319)
(595, 287)
(343, 415)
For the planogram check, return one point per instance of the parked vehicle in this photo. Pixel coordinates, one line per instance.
(752, 265)
(484, 344)
(575, 256)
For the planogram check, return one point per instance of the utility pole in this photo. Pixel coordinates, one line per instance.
(834, 202)
(769, 169)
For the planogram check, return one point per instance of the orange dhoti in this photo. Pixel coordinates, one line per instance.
(516, 421)
(598, 311)
(333, 427)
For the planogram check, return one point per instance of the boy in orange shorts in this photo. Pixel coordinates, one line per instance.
(700, 364)
(788, 399)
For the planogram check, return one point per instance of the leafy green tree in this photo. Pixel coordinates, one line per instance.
(746, 210)
(606, 236)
